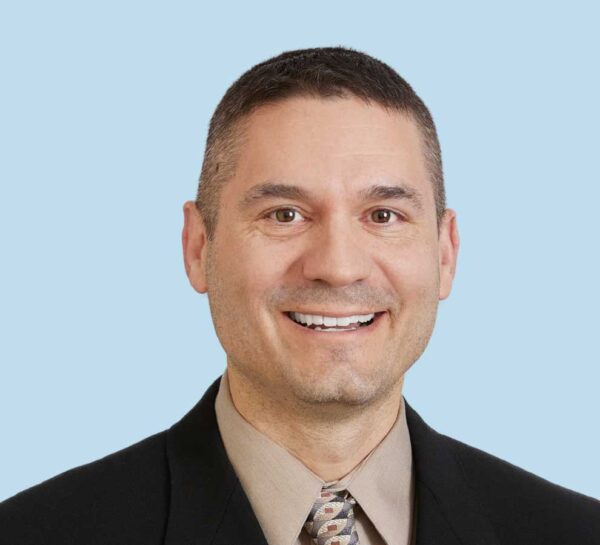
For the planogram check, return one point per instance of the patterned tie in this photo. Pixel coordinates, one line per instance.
(331, 520)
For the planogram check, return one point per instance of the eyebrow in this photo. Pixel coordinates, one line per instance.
(390, 192)
(274, 190)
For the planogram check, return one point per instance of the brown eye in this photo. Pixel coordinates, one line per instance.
(382, 215)
(285, 215)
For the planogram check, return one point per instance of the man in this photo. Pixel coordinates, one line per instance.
(321, 235)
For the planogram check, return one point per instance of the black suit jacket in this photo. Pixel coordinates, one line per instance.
(178, 487)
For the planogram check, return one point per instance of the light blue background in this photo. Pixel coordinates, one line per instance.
(105, 108)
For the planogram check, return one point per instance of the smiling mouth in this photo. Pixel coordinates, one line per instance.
(355, 322)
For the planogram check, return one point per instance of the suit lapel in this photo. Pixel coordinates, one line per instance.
(207, 505)
(447, 511)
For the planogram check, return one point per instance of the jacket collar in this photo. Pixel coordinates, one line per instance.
(447, 509)
(209, 507)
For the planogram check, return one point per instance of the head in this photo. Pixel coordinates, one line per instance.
(321, 194)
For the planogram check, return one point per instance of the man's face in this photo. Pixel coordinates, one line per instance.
(330, 214)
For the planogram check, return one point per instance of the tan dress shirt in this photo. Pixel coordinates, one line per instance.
(282, 490)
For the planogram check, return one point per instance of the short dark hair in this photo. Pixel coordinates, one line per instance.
(317, 72)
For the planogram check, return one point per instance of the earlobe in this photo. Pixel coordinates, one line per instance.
(194, 243)
(449, 243)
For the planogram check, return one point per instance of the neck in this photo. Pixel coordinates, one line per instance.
(330, 443)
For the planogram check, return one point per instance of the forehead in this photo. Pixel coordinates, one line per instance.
(332, 147)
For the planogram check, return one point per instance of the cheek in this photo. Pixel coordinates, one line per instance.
(243, 278)
(412, 269)
(251, 270)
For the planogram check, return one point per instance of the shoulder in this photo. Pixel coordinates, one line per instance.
(524, 507)
(116, 499)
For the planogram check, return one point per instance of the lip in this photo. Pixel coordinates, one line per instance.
(355, 333)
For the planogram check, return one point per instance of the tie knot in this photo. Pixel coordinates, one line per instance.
(331, 519)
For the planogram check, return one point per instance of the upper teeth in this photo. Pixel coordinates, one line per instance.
(331, 321)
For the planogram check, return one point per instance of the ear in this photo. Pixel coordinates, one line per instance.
(449, 243)
(194, 242)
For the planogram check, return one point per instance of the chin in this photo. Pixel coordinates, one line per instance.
(341, 387)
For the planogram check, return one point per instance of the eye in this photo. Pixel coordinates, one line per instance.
(382, 215)
(283, 215)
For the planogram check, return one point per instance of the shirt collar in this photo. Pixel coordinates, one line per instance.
(381, 484)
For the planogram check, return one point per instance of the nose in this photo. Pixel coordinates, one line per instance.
(337, 254)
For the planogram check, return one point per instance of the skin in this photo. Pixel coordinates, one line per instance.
(328, 398)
